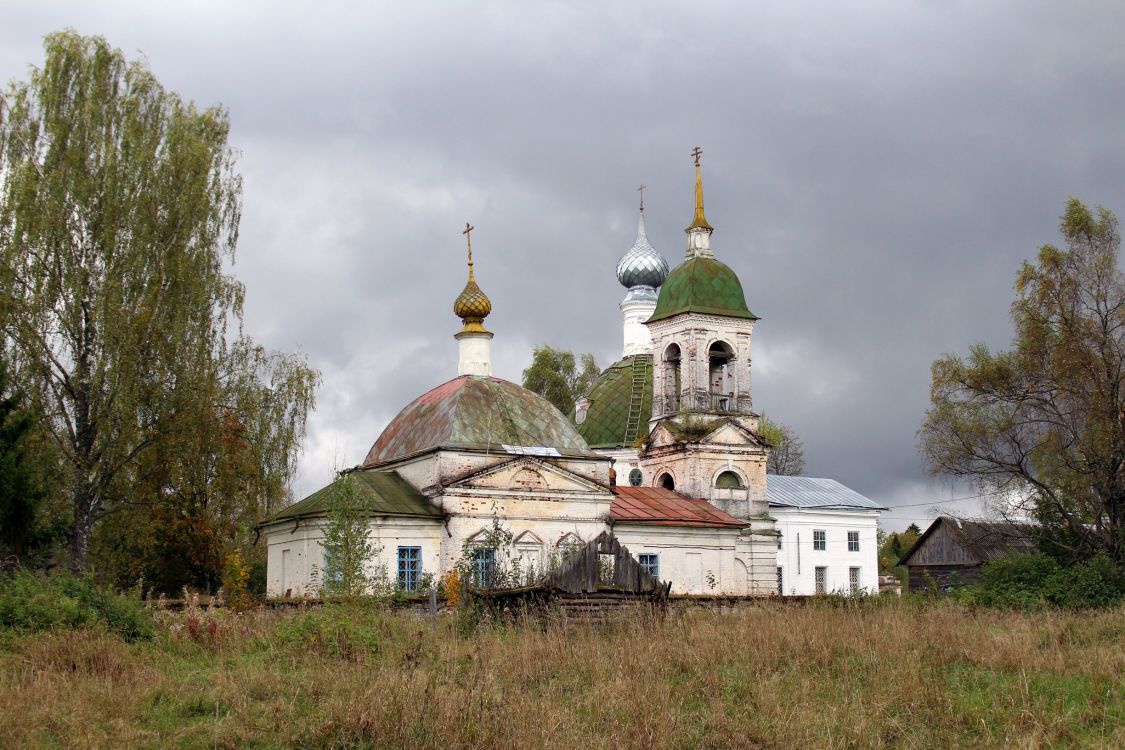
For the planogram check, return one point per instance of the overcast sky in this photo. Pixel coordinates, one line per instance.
(875, 172)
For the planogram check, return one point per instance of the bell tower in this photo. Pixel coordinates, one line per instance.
(701, 331)
(703, 430)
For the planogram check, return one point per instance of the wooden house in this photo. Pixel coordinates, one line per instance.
(951, 551)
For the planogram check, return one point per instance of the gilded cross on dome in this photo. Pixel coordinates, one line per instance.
(472, 306)
(469, 239)
(641, 190)
(697, 152)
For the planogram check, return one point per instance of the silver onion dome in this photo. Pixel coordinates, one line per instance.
(641, 265)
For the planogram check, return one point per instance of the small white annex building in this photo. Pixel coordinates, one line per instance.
(828, 537)
(675, 415)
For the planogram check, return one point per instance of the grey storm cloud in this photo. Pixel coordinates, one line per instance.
(876, 171)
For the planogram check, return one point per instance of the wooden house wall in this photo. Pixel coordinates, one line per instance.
(922, 577)
(942, 548)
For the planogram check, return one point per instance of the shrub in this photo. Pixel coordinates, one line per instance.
(236, 579)
(1097, 583)
(32, 602)
(1031, 581)
(337, 631)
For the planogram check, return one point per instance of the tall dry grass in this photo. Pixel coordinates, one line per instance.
(880, 675)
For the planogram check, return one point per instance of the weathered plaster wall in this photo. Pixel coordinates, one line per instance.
(294, 550)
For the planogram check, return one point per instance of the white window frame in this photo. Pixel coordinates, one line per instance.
(853, 541)
(819, 544)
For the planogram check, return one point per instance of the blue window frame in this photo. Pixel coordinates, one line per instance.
(409, 568)
(650, 563)
(484, 566)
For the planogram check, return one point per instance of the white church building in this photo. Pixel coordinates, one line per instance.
(663, 450)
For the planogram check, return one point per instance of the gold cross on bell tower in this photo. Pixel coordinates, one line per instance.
(697, 152)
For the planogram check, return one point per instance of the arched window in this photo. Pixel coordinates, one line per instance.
(728, 480)
(672, 378)
(720, 381)
(666, 481)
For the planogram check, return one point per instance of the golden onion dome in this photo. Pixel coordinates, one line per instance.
(472, 305)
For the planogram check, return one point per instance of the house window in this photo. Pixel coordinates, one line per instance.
(635, 477)
(780, 583)
(853, 541)
(818, 540)
(853, 580)
(667, 482)
(650, 563)
(409, 568)
(484, 567)
(821, 580)
(779, 540)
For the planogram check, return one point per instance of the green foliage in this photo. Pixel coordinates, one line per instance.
(119, 212)
(23, 529)
(32, 602)
(344, 632)
(236, 580)
(891, 549)
(1032, 581)
(559, 377)
(348, 549)
(1040, 424)
(787, 456)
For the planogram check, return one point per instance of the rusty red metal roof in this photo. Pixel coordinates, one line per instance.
(661, 507)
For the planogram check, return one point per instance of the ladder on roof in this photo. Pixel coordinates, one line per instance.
(636, 398)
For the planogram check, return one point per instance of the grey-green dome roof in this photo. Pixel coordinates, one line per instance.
(620, 404)
(477, 413)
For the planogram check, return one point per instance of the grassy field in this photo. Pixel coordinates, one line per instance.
(911, 675)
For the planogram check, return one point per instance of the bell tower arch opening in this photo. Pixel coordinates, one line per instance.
(672, 385)
(720, 376)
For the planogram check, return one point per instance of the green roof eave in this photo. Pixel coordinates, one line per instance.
(382, 493)
(702, 310)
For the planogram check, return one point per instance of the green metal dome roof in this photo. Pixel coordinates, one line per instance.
(476, 413)
(620, 404)
(702, 285)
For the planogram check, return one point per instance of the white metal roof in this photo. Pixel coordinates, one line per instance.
(809, 492)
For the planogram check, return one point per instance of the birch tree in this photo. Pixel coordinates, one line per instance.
(119, 212)
(1042, 424)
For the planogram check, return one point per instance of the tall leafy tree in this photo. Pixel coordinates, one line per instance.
(119, 210)
(559, 376)
(787, 456)
(1044, 422)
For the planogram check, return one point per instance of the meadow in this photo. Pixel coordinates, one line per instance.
(901, 674)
